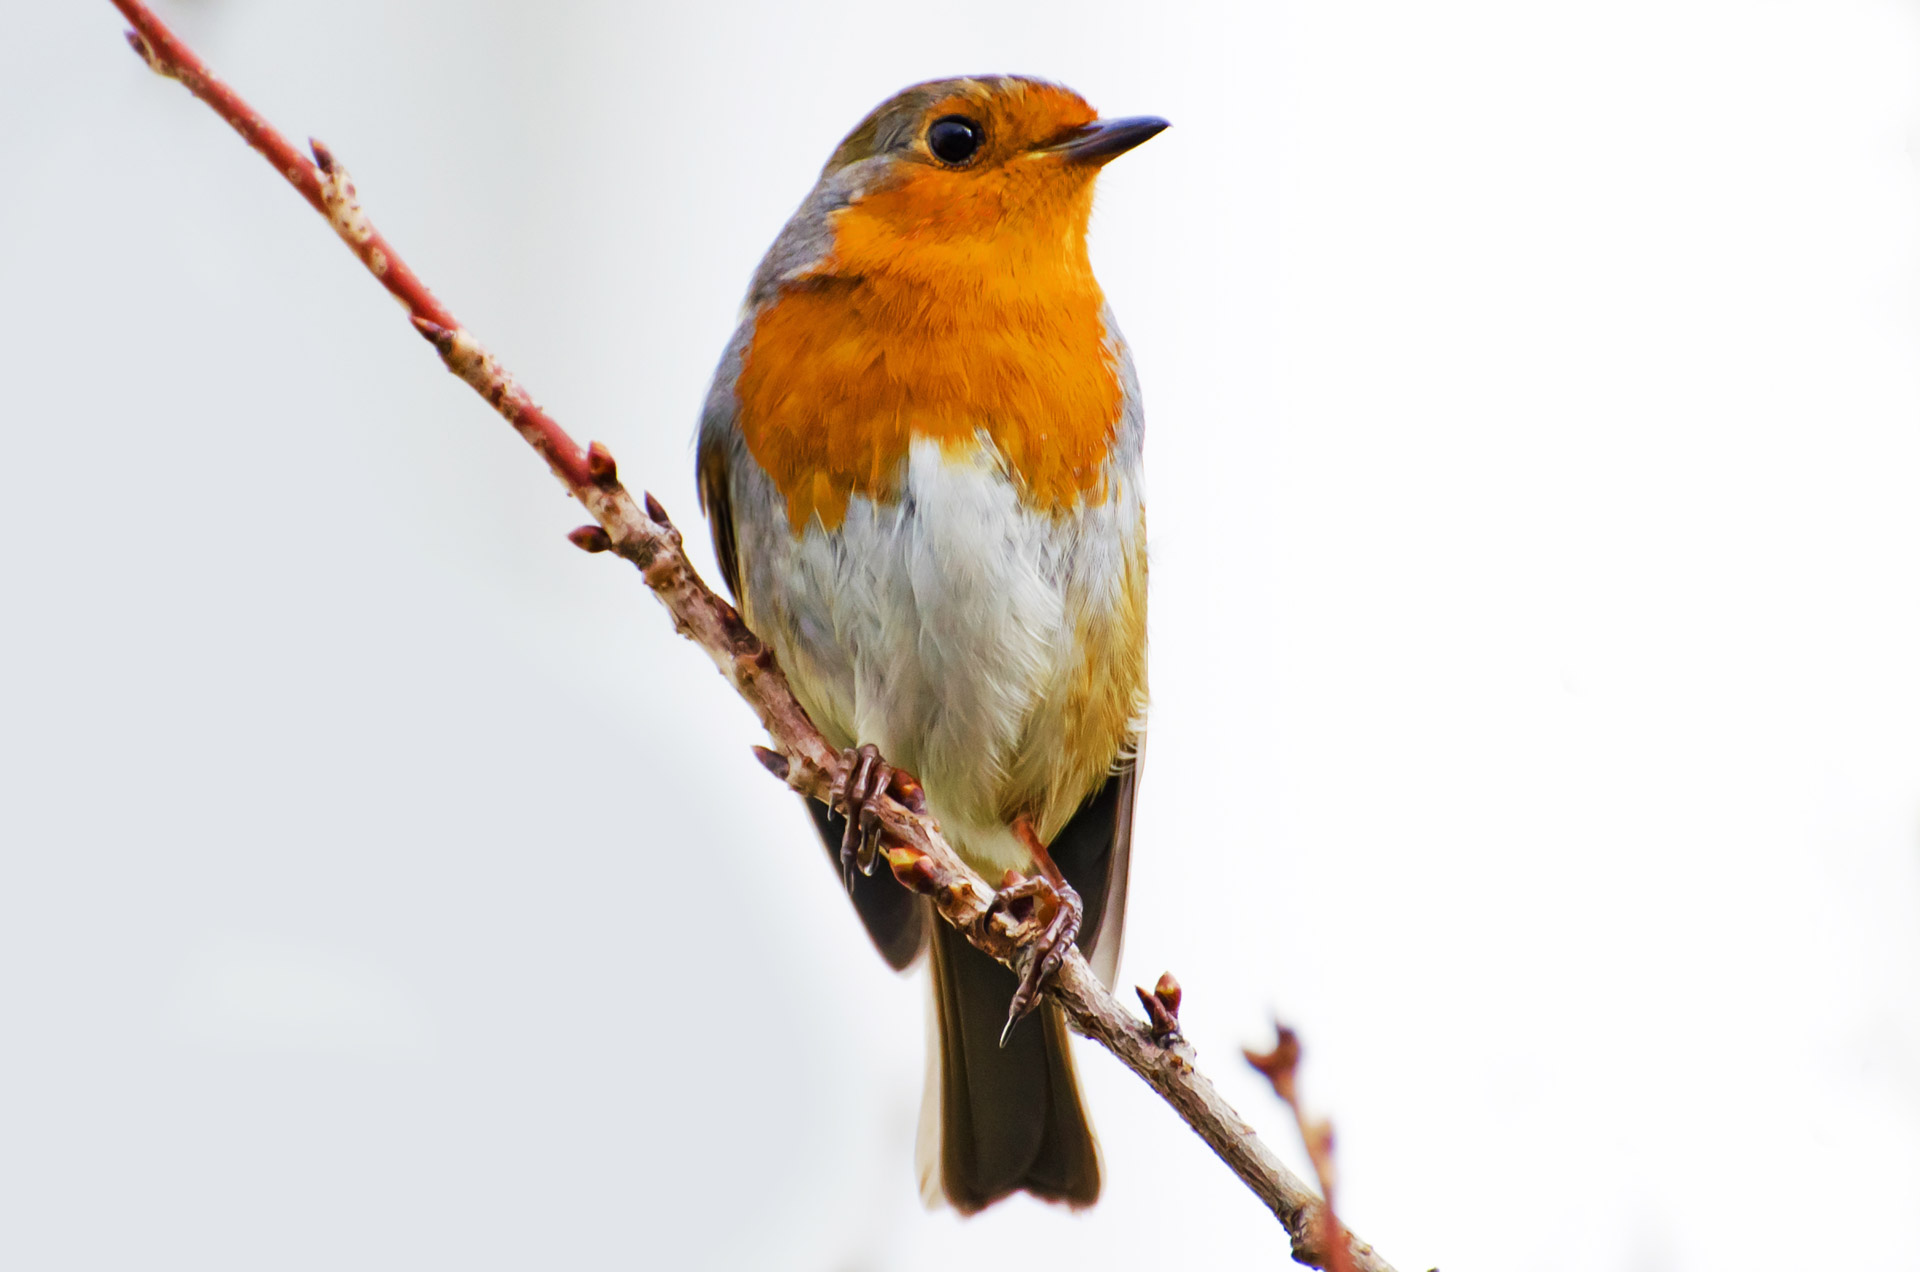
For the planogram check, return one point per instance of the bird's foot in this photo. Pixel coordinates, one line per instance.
(864, 779)
(1046, 912)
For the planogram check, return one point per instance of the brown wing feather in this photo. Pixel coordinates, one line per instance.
(893, 916)
(1094, 850)
(716, 500)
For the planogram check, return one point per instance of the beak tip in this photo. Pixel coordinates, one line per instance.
(1105, 139)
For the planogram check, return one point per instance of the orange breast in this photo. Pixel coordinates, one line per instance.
(945, 339)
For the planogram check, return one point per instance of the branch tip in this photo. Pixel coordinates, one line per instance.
(439, 336)
(591, 539)
(907, 789)
(138, 43)
(1162, 1005)
(1323, 1242)
(1167, 990)
(914, 869)
(1279, 1064)
(774, 762)
(600, 466)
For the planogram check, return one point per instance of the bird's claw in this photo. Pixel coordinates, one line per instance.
(864, 778)
(1054, 908)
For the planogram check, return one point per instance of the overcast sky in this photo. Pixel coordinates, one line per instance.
(1533, 398)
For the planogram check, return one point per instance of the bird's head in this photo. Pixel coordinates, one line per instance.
(972, 174)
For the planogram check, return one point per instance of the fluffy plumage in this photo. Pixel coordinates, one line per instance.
(921, 459)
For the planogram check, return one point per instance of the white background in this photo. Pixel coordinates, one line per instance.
(1534, 448)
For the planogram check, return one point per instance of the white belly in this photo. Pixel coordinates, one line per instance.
(946, 628)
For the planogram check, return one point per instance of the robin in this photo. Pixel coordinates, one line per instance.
(920, 459)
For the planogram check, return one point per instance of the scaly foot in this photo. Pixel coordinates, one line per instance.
(1051, 900)
(863, 779)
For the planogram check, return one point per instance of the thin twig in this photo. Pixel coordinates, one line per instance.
(1280, 1067)
(917, 853)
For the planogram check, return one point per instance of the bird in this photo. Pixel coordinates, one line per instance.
(920, 460)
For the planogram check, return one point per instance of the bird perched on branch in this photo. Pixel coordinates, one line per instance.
(921, 462)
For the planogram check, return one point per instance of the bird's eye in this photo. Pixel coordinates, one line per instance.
(954, 138)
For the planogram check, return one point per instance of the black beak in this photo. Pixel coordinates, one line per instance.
(1101, 140)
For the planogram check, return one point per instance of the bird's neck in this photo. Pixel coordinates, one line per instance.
(991, 258)
(906, 338)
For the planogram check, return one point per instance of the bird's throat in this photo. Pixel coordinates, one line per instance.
(844, 373)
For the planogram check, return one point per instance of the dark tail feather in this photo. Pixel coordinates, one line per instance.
(1010, 1118)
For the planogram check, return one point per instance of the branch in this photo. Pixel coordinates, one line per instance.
(917, 853)
(1279, 1067)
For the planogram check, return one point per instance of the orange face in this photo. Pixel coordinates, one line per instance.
(1014, 199)
(957, 302)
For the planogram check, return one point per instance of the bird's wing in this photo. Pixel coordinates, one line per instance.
(1093, 851)
(716, 500)
(893, 916)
